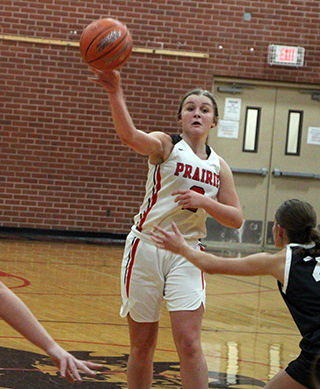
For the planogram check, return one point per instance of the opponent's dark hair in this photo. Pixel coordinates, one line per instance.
(200, 92)
(299, 219)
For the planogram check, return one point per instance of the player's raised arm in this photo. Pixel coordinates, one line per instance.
(155, 144)
(106, 45)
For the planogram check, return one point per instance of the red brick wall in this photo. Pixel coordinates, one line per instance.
(62, 166)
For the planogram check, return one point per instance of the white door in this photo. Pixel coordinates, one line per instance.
(269, 134)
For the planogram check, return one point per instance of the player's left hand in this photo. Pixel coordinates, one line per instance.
(187, 198)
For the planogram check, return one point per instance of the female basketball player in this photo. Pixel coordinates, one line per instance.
(297, 269)
(186, 181)
(18, 316)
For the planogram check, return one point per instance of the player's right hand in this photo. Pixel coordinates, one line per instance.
(69, 366)
(110, 80)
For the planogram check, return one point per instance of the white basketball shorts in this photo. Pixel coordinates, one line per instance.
(150, 275)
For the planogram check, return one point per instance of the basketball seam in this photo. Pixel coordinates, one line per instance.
(106, 52)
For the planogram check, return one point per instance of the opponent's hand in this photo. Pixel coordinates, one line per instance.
(68, 365)
(110, 80)
(172, 241)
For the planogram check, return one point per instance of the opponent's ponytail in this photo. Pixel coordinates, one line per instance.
(299, 220)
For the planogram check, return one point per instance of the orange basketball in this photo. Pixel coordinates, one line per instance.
(106, 44)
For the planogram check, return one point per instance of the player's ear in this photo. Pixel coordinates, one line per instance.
(280, 231)
(215, 122)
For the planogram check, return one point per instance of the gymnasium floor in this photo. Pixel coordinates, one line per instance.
(73, 289)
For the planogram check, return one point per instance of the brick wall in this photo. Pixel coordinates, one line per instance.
(62, 166)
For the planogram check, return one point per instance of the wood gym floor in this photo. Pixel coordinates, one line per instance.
(73, 289)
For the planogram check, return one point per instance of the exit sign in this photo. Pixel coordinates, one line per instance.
(285, 55)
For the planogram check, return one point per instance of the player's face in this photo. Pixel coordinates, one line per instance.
(197, 114)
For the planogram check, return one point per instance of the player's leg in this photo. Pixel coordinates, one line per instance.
(143, 341)
(186, 330)
(299, 373)
(315, 371)
(282, 380)
(141, 290)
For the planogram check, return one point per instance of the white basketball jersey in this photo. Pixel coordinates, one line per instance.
(182, 170)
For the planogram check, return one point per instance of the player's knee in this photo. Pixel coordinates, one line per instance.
(142, 352)
(189, 348)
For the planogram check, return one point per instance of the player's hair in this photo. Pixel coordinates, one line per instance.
(200, 92)
(299, 219)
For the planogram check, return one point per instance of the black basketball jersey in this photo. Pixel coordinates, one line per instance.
(301, 293)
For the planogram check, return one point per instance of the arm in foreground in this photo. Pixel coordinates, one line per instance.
(18, 316)
(251, 265)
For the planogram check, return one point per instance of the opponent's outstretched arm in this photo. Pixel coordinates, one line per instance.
(251, 265)
(14, 311)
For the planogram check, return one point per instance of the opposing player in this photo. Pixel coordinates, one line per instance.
(186, 181)
(297, 269)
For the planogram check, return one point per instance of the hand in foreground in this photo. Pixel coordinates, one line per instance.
(172, 241)
(110, 80)
(69, 365)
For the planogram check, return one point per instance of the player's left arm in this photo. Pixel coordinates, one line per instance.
(227, 210)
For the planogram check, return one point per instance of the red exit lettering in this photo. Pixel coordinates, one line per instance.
(287, 54)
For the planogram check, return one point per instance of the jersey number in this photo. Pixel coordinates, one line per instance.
(316, 270)
(197, 189)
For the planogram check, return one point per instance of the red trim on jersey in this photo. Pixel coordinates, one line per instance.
(202, 273)
(133, 255)
(153, 199)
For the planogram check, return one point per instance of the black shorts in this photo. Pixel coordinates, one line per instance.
(301, 368)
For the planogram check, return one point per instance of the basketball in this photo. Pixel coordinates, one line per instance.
(106, 44)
